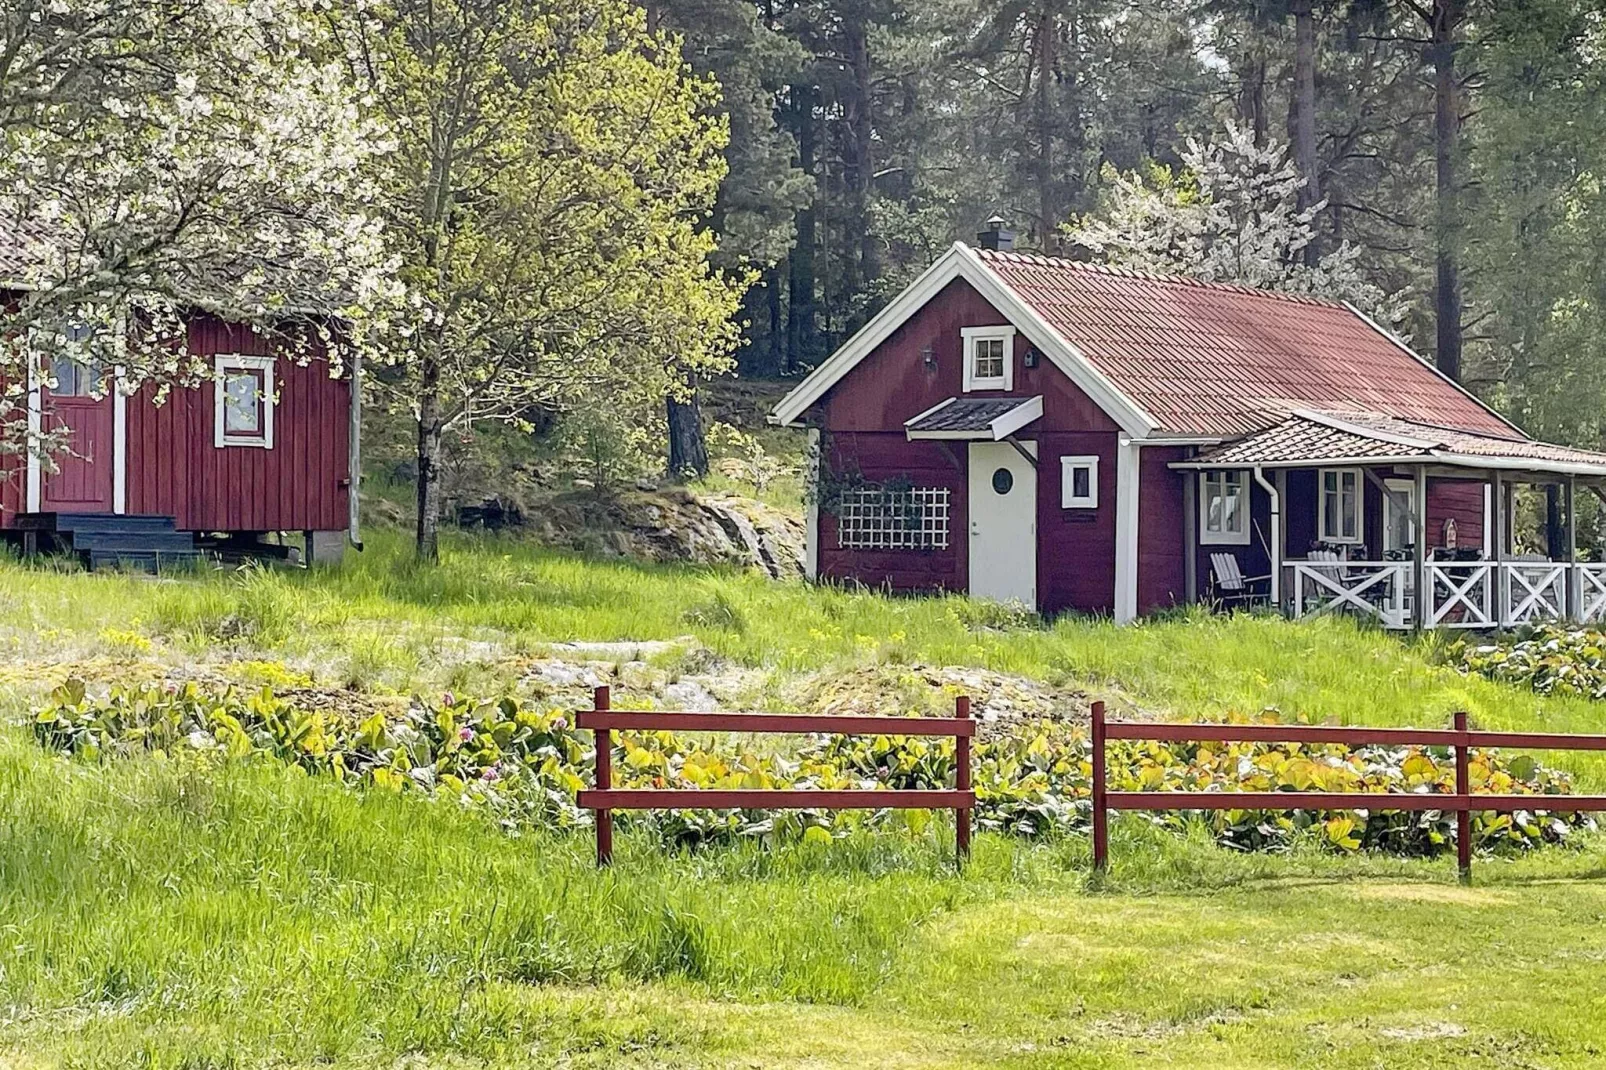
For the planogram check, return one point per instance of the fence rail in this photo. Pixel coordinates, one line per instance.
(1460, 594)
(602, 720)
(1462, 801)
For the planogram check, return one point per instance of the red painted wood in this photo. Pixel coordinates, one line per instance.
(878, 457)
(1332, 800)
(894, 384)
(962, 780)
(1101, 809)
(604, 769)
(1537, 740)
(1075, 547)
(1162, 539)
(175, 468)
(82, 481)
(1278, 733)
(1463, 818)
(772, 799)
(844, 725)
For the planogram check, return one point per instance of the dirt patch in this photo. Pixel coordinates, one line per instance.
(997, 700)
(1425, 1031)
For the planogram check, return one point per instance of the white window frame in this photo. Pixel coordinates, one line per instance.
(972, 335)
(1069, 499)
(224, 363)
(1322, 534)
(1224, 538)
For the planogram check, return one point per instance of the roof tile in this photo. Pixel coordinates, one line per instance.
(1220, 359)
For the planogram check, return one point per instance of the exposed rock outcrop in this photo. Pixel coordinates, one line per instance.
(677, 525)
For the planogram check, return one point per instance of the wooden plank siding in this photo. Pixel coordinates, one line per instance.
(176, 469)
(862, 418)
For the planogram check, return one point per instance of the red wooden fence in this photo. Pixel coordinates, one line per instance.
(605, 798)
(1463, 800)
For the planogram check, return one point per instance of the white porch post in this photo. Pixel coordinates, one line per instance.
(1419, 551)
(1502, 599)
(1574, 592)
(1126, 530)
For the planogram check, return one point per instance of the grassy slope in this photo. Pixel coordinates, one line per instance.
(158, 916)
(153, 913)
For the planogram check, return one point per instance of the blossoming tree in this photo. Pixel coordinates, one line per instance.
(162, 156)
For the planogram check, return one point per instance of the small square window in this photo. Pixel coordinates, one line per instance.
(989, 358)
(245, 401)
(1079, 482)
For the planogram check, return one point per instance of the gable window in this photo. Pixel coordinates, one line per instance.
(243, 388)
(1338, 506)
(1224, 508)
(989, 358)
(1079, 482)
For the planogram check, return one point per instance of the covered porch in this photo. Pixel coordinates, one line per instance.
(1357, 513)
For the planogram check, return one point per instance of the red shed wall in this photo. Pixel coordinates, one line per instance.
(863, 417)
(879, 456)
(302, 483)
(1162, 542)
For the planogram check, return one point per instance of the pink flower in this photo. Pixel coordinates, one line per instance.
(560, 723)
(490, 773)
(465, 733)
(449, 699)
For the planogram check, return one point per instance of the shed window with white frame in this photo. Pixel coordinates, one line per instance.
(913, 518)
(244, 401)
(1079, 482)
(989, 358)
(1224, 508)
(1339, 505)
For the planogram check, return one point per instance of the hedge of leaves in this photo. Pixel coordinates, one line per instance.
(524, 766)
(1550, 659)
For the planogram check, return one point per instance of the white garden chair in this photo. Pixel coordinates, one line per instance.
(1231, 585)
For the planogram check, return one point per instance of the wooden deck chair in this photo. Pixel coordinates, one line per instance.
(1229, 583)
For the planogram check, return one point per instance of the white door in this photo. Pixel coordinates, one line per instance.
(1398, 523)
(1003, 523)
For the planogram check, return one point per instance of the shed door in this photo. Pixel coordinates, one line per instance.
(83, 478)
(1003, 523)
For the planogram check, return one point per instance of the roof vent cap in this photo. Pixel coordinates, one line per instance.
(996, 237)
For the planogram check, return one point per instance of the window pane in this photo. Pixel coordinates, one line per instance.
(1079, 482)
(242, 414)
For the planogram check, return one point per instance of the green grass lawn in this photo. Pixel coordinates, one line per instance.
(168, 913)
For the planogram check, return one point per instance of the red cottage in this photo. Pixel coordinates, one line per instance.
(1080, 438)
(267, 445)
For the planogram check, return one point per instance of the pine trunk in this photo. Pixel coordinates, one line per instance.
(1447, 16)
(800, 320)
(688, 450)
(1305, 112)
(1047, 208)
(427, 532)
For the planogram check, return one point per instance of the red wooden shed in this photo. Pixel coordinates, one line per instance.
(1081, 438)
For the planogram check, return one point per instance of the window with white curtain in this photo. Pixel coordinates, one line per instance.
(1224, 508)
(1338, 509)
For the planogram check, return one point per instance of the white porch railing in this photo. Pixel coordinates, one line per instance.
(1461, 594)
(1368, 588)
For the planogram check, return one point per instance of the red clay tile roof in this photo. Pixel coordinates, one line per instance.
(1216, 359)
(1327, 437)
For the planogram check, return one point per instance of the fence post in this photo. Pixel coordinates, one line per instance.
(1101, 827)
(962, 783)
(603, 738)
(1463, 816)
